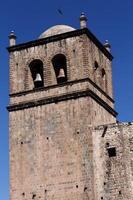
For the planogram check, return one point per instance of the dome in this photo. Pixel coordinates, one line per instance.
(55, 30)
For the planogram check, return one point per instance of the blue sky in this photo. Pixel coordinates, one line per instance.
(110, 20)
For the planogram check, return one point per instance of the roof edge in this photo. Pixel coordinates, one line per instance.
(60, 37)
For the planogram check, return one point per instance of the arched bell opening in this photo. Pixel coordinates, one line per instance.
(104, 79)
(96, 65)
(103, 73)
(60, 68)
(36, 68)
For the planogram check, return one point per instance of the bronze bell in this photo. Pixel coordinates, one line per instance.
(61, 73)
(61, 77)
(38, 78)
(38, 81)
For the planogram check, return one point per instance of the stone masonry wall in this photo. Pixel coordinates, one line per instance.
(52, 146)
(20, 75)
(57, 90)
(113, 175)
(92, 54)
(51, 150)
(81, 54)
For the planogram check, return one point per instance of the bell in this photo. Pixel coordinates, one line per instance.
(38, 81)
(61, 73)
(38, 78)
(61, 77)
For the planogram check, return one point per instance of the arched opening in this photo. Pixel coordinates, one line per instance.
(103, 73)
(96, 65)
(60, 68)
(104, 79)
(36, 68)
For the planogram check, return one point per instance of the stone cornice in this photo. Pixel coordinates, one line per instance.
(65, 97)
(54, 38)
(62, 85)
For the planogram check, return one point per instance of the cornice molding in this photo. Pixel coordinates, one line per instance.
(62, 85)
(58, 37)
(65, 97)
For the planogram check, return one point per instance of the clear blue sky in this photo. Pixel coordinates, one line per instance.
(110, 20)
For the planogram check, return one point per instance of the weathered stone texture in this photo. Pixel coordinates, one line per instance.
(113, 175)
(80, 53)
(51, 149)
(56, 90)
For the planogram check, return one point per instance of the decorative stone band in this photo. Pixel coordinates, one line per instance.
(56, 99)
(58, 37)
(62, 85)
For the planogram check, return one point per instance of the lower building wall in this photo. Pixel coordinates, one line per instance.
(51, 150)
(113, 174)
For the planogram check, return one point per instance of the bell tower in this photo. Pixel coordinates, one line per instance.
(60, 87)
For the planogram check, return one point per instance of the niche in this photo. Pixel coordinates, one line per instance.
(36, 68)
(60, 68)
(111, 151)
(33, 196)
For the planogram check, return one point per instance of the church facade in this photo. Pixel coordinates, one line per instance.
(65, 142)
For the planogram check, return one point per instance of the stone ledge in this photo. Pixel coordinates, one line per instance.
(62, 85)
(56, 99)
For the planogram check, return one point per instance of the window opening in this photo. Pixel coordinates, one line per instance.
(111, 151)
(36, 68)
(103, 73)
(60, 68)
(96, 65)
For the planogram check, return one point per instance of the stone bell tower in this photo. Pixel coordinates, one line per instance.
(60, 87)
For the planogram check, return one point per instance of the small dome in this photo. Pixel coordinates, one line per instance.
(55, 30)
